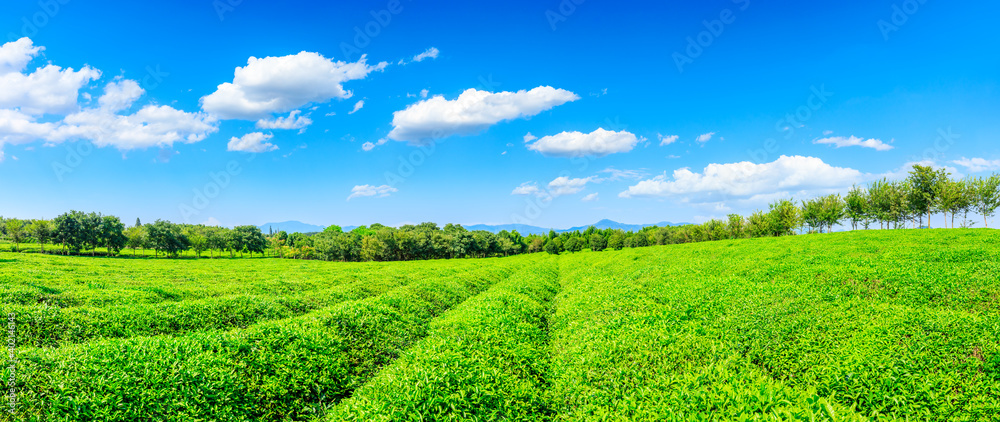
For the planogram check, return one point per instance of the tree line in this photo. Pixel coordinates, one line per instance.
(891, 204)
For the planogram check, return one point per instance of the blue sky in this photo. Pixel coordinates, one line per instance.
(664, 111)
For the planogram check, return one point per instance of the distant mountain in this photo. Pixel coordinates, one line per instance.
(523, 229)
(290, 227)
(602, 225)
(608, 224)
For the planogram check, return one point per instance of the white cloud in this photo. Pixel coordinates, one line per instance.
(527, 188)
(252, 142)
(362, 191)
(423, 93)
(978, 165)
(623, 174)
(357, 106)
(590, 198)
(212, 222)
(431, 53)
(472, 112)
(705, 137)
(120, 95)
(827, 132)
(56, 94)
(293, 121)
(529, 137)
(282, 84)
(48, 90)
(746, 179)
(854, 141)
(576, 144)
(563, 185)
(368, 146)
(667, 140)
(150, 126)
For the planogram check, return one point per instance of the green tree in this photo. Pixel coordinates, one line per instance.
(857, 207)
(551, 247)
(136, 236)
(597, 242)
(986, 196)
(41, 230)
(924, 194)
(69, 230)
(166, 237)
(112, 234)
(15, 231)
(617, 240)
(785, 218)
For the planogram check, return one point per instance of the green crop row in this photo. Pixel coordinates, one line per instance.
(274, 370)
(485, 360)
(781, 329)
(48, 326)
(32, 279)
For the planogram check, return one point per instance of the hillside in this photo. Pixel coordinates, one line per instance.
(842, 326)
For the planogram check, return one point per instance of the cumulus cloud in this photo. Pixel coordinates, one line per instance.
(282, 84)
(529, 137)
(293, 121)
(43, 105)
(472, 112)
(705, 137)
(667, 140)
(252, 142)
(564, 185)
(423, 93)
(120, 95)
(576, 144)
(47, 90)
(527, 188)
(978, 165)
(854, 141)
(746, 179)
(357, 106)
(362, 191)
(590, 198)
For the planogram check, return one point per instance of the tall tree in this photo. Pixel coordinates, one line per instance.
(41, 230)
(924, 193)
(987, 196)
(857, 207)
(15, 231)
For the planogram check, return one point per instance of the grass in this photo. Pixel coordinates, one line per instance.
(880, 325)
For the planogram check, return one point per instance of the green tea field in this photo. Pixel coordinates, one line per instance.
(864, 325)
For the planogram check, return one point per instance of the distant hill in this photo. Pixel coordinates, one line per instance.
(291, 227)
(300, 227)
(603, 224)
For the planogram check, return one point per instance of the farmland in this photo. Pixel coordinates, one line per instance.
(865, 325)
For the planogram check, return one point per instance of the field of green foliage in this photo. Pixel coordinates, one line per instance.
(865, 325)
